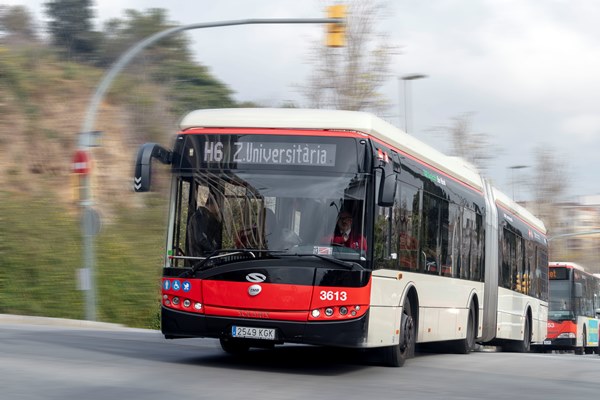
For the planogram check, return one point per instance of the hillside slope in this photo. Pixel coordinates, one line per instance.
(42, 107)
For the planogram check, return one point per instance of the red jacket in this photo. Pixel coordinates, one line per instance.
(355, 241)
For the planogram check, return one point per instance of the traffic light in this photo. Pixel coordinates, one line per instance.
(336, 32)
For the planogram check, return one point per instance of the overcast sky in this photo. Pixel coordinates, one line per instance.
(527, 70)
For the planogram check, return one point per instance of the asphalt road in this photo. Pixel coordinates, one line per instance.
(75, 360)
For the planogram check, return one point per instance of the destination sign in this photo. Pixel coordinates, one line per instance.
(558, 273)
(271, 153)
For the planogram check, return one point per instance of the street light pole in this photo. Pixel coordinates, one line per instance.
(405, 79)
(89, 219)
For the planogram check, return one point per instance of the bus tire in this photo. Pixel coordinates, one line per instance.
(466, 345)
(234, 346)
(526, 344)
(396, 356)
(520, 346)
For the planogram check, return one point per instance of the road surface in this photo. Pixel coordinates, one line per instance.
(86, 361)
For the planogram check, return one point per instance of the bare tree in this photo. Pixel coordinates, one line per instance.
(350, 77)
(549, 185)
(476, 148)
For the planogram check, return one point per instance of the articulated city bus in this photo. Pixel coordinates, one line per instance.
(574, 309)
(335, 228)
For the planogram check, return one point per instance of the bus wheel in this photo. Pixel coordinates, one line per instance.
(520, 346)
(526, 337)
(396, 356)
(234, 346)
(467, 344)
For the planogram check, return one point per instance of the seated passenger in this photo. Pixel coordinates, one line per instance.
(204, 232)
(272, 230)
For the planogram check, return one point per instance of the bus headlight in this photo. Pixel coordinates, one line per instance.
(567, 335)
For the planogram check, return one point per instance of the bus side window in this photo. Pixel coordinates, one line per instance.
(383, 249)
(430, 231)
(530, 266)
(451, 245)
(407, 239)
(508, 250)
(466, 253)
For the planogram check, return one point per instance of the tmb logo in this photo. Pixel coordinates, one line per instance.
(254, 290)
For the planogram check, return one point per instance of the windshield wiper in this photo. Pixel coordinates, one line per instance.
(215, 255)
(202, 265)
(347, 265)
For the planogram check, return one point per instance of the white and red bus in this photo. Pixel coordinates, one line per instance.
(574, 309)
(438, 255)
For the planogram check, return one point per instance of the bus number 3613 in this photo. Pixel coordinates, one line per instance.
(331, 295)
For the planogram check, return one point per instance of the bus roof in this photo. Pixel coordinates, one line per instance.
(566, 264)
(356, 121)
(519, 210)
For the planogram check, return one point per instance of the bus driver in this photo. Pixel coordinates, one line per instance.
(345, 236)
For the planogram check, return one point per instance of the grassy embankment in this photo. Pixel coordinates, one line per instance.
(42, 104)
(41, 251)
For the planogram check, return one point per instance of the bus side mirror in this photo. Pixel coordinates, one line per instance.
(387, 187)
(143, 164)
(597, 312)
(578, 290)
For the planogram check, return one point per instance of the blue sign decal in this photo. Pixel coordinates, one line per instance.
(176, 285)
(593, 332)
(187, 286)
(166, 284)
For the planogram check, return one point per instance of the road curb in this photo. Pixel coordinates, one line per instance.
(47, 321)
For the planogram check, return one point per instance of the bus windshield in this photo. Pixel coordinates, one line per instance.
(283, 212)
(560, 307)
